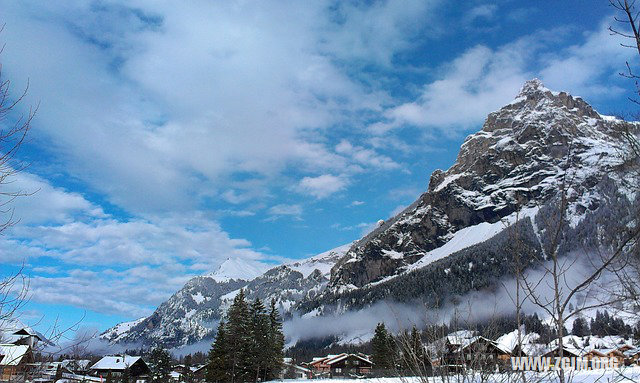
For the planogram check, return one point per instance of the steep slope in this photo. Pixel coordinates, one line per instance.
(191, 314)
(517, 161)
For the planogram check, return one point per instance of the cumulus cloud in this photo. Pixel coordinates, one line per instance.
(322, 186)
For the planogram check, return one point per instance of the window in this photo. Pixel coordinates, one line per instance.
(338, 370)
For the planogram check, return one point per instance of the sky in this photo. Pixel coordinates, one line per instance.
(168, 139)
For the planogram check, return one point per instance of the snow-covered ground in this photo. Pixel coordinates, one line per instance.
(625, 375)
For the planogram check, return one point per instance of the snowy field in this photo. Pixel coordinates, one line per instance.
(626, 375)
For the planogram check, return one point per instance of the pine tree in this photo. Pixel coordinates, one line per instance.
(382, 353)
(239, 339)
(276, 343)
(260, 330)
(218, 366)
(160, 362)
(580, 327)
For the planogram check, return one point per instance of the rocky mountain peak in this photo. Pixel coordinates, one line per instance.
(531, 87)
(514, 162)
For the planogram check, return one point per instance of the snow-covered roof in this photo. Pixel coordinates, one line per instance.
(462, 337)
(11, 354)
(341, 357)
(115, 362)
(508, 342)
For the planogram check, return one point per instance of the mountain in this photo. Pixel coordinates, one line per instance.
(457, 237)
(191, 314)
(453, 238)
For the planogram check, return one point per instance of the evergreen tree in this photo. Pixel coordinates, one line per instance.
(580, 327)
(239, 339)
(260, 330)
(276, 343)
(218, 366)
(160, 363)
(109, 378)
(381, 350)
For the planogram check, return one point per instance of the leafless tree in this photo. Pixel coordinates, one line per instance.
(13, 132)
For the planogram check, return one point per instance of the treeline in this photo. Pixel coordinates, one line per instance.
(602, 325)
(249, 344)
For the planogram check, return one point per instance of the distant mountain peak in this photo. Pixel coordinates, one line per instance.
(237, 269)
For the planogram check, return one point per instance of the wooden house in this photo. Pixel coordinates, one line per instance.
(116, 365)
(464, 349)
(14, 362)
(341, 365)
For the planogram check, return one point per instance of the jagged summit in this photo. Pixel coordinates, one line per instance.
(532, 86)
(515, 162)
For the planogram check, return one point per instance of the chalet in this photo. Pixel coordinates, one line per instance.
(77, 366)
(199, 373)
(631, 356)
(569, 352)
(116, 365)
(341, 365)
(26, 336)
(14, 362)
(45, 372)
(290, 370)
(527, 345)
(465, 348)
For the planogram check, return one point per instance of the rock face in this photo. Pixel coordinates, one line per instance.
(455, 238)
(517, 161)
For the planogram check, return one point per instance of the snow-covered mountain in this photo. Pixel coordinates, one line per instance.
(508, 172)
(191, 314)
(457, 237)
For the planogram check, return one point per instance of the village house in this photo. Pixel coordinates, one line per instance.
(77, 366)
(26, 336)
(116, 365)
(290, 370)
(14, 362)
(341, 365)
(463, 349)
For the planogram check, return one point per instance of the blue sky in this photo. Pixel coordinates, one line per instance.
(168, 139)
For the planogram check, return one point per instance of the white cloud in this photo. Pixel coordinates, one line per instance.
(366, 157)
(483, 11)
(284, 209)
(98, 262)
(198, 93)
(322, 186)
(44, 203)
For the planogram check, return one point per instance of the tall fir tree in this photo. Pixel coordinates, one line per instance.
(239, 338)
(381, 350)
(276, 343)
(260, 330)
(218, 366)
(160, 362)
